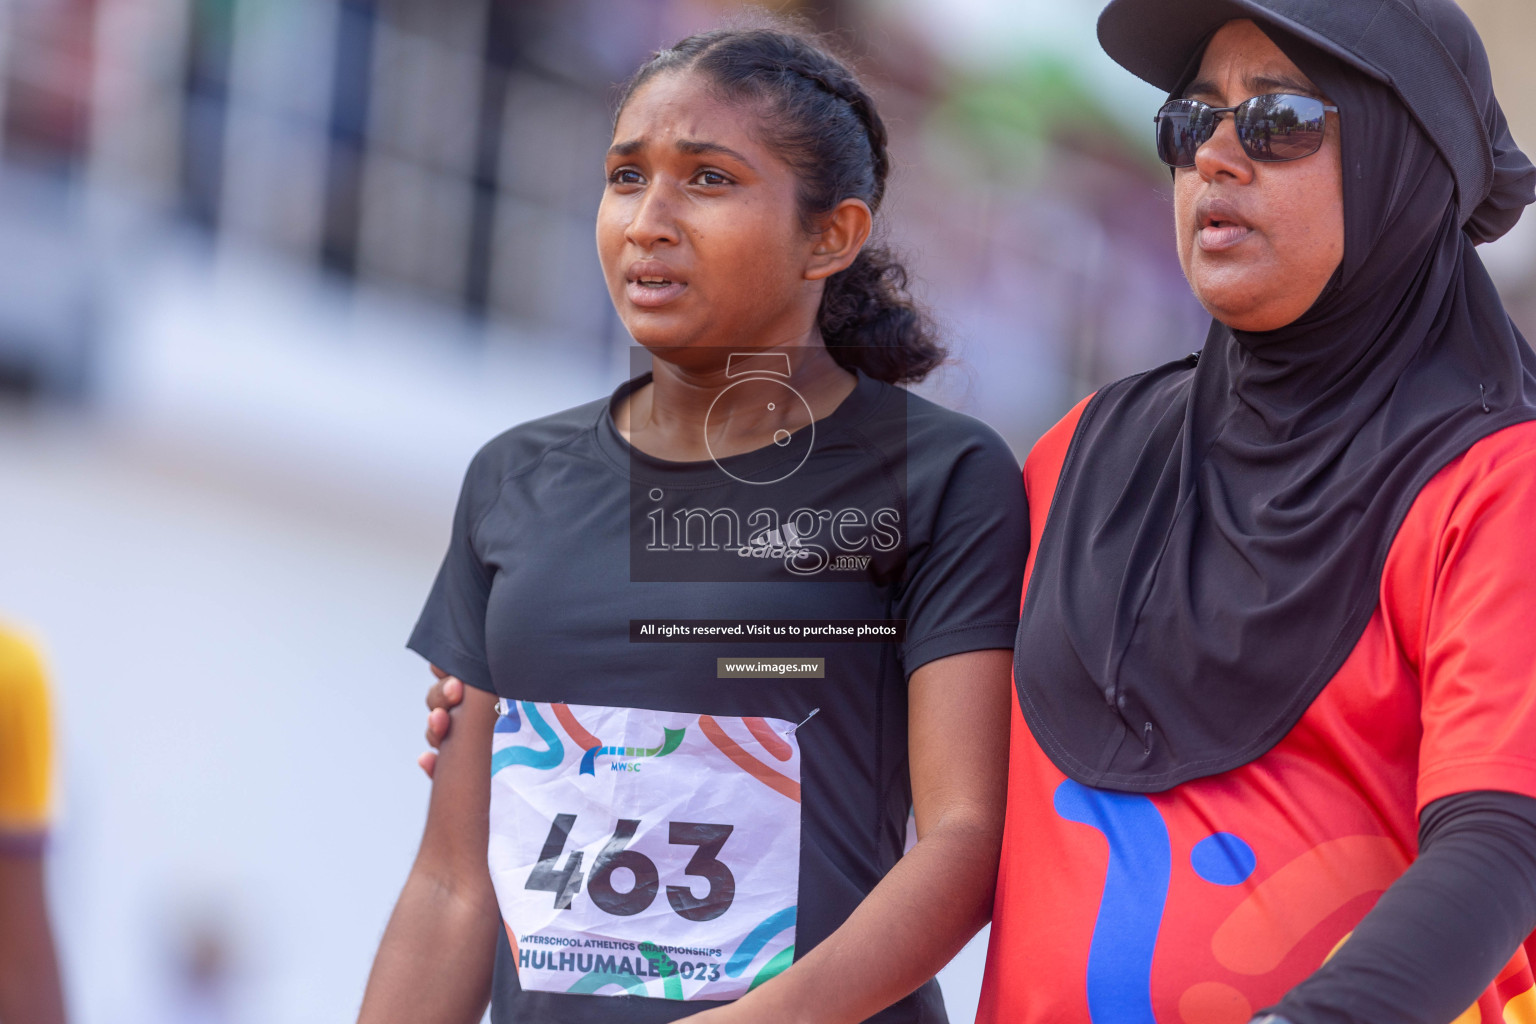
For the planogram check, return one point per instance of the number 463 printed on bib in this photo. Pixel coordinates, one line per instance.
(645, 853)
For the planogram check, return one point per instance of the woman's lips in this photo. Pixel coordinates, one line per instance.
(1222, 225)
(651, 295)
(1221, 237)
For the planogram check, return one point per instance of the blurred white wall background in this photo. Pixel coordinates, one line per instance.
(275, 268)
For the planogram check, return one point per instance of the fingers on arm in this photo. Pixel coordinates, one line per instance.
(446, 693)
(437, 726)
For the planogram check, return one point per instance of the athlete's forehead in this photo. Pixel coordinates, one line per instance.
(680, 113)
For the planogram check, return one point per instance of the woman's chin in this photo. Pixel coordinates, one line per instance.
(1244, 312)
(1256, 298)
(651, 333)
(1248, 324)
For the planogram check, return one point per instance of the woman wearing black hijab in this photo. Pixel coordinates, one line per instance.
(1276, 671)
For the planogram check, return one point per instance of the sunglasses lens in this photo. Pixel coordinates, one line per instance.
(1280, 126)
(1182, 127)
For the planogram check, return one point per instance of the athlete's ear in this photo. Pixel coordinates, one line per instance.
(842, 234)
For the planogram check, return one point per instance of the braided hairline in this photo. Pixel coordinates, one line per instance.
(854, 95)
(850, 92)
(848, 96)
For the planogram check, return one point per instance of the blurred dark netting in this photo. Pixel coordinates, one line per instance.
(205, 86)
(461, 138)
(46, 84)
(347, 135)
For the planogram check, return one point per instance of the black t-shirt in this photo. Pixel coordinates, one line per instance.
(896, 509)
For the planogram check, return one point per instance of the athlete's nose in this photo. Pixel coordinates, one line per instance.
(654, 221)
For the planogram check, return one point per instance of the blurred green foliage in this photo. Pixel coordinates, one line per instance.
(1011, 116)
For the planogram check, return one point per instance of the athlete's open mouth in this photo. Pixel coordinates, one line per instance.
(651, 283)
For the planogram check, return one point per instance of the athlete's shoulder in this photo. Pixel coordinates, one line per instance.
(525, 446)
(940, 429)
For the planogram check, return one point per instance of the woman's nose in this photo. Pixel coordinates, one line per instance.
(655, 218)
(1222, 153)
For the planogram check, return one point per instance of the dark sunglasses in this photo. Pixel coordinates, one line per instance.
(1274, 127)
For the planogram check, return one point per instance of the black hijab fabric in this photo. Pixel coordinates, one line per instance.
(1215, 545)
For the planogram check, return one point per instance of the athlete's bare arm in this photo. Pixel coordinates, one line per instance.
(434, 962)
(940, 893)
(29, 973)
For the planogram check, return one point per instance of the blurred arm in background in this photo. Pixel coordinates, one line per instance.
(30, 991)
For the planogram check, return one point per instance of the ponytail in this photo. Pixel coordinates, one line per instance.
(871, 323)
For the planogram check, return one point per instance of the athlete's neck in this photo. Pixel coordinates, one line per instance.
(722, 403)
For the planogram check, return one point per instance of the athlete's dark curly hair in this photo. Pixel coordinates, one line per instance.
(819, 118)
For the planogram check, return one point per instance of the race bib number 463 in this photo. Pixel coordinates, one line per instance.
(645, 853)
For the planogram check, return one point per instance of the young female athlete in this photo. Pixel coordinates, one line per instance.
(1276, 740)
(728, 613)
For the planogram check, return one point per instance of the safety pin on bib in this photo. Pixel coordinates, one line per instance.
(807, 718)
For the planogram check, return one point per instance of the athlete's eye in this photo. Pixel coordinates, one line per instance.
(625, 176)
(708, 177)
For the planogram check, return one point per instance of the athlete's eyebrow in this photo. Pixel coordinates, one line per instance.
(692, 147)
(696, 147)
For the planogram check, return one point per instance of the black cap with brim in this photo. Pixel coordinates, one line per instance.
(1156, 40)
